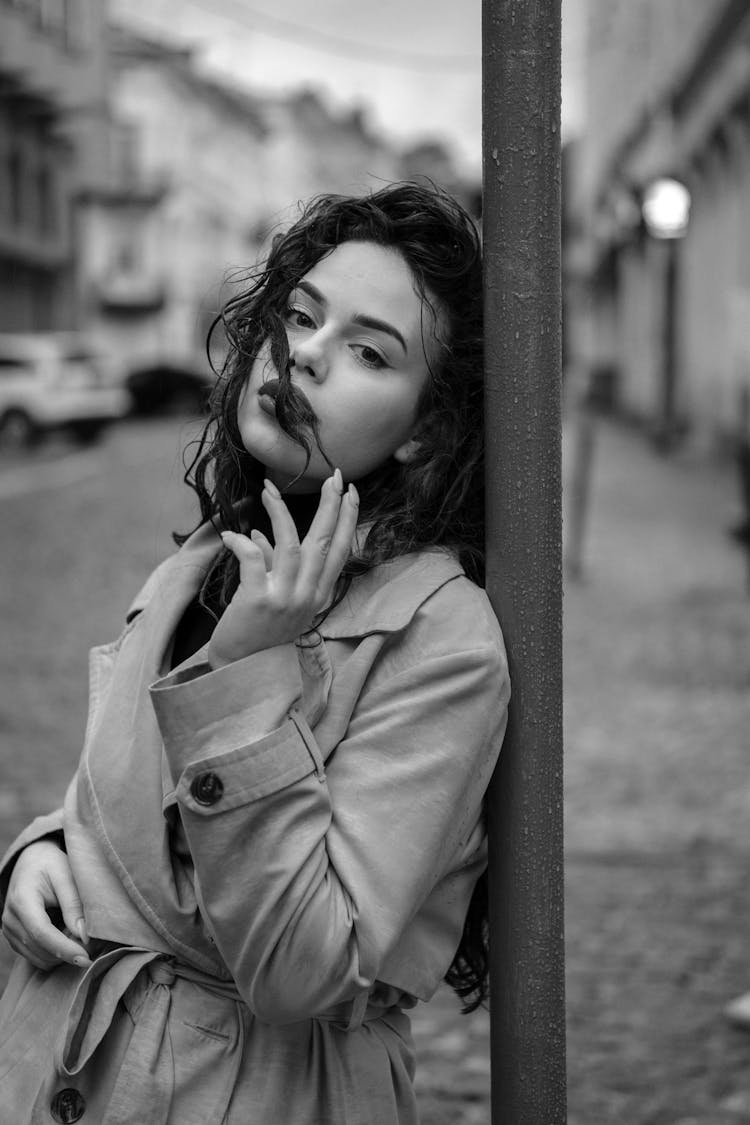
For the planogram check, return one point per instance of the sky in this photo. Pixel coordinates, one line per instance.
(412, 65)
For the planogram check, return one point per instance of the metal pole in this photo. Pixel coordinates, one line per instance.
(668, 423)
(521, 107)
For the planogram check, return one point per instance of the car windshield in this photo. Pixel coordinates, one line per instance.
(11, 363)
(79, 355)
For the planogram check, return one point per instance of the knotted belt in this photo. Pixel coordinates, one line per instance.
(148, 1065)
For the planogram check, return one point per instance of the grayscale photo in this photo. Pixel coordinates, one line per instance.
(375, 501)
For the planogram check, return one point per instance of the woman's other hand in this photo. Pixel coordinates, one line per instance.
(42, 884)
(283, 588)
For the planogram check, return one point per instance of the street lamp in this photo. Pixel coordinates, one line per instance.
(666, 213)
(666, 208)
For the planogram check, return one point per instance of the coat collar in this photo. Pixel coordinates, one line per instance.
(385, 599)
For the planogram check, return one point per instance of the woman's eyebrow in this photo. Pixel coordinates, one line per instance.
(362, 319)
(381, 326)
(313, 292)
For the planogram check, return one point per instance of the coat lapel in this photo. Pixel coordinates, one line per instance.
(121, 776)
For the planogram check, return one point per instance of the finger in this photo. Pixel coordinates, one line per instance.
(317, 542)
(36, 938)
(47, 941)
(286, 554)
(63, 888)
(260, 540)
(29, 912)
(248, 555)
(341, 544)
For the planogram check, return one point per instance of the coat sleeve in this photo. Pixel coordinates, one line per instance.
(47, 827)
(308, 874)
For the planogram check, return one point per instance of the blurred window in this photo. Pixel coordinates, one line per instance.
(51, 16)
(125, 258)
(47, 213)
(68, 22)
(23, 5)
(5, 204)
(35, 9)
(77, 354)
(15, 186)
(76, 24)
(10, 363)
(125, 139)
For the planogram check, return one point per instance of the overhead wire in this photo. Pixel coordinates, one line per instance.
(289, 31)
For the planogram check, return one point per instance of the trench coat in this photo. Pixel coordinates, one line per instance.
(275, 860)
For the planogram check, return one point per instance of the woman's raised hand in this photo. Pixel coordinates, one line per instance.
(42, 881)
(282, 588)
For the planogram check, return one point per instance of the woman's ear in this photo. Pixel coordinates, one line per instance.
(406, 452)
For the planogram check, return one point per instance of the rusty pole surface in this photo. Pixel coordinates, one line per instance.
(521, 112)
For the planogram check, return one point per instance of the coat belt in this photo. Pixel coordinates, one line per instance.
(148, 1064)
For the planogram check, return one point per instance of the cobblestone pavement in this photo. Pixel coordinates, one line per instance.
(657, 715)
(657, 794)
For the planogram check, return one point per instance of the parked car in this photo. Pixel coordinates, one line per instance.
(53, 381)
(162, 388)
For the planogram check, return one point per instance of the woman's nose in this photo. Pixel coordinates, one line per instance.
(310, 355)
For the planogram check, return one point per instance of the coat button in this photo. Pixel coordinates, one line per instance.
(207, 788)
(68, 1106)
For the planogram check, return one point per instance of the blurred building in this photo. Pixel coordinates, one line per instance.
(200, 174)
(136, 192)
(53, 142)
(310, 149)
(431, 159)
(664, 322)
(178, 209)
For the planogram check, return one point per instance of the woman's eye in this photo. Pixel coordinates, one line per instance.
(368, 356)
(299, 319)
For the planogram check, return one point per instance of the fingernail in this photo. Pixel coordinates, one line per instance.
(353, 494)
(271, 489)
(338, 480)
(81, 930)
(81, 962)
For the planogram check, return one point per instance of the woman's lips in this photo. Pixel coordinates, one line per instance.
(267, 403)
(267, 396)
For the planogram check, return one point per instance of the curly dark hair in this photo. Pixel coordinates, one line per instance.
(436, 499)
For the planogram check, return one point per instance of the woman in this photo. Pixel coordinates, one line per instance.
(274, 843)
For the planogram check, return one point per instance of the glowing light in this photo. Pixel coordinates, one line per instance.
(666, 208)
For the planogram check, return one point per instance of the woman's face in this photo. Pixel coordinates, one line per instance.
(355, 326)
